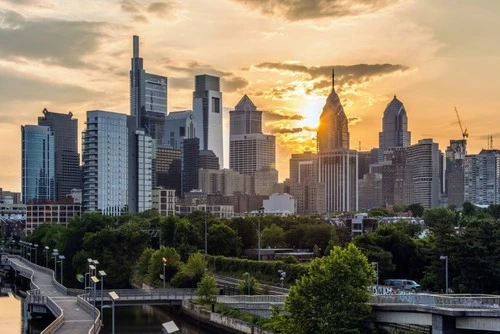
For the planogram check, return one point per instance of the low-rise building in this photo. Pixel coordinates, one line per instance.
(164, 201)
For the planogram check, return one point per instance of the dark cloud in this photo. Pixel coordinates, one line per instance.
(51, 41)
(353, 120)
(274, 116)
(285, 130)
(140, 18)
(162, 8)
(297, 10)
(23, 2)
(129, 6)
(229, 81)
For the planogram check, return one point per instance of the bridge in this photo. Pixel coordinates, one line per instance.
(74, 310)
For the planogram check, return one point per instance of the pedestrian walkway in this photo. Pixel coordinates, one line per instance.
(73, 314)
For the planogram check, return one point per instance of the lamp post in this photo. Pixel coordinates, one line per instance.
(206, 233)
(164, 265)
(282, 276)
(376, 265)
(248, 282)
(36, 253)
(46, 251)
(95, 280)
(261, 212)
(114, 297)
(55, 253)
(62, 257)
(29, 246)
(89, 261)
(445, 258)
(102, 273)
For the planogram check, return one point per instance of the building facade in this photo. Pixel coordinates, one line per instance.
(454, 172)
(178, 126)
(394, 127)
(148, 97)
(50, 213)
(37, 163)
(168, 169)
(207, 110)
(67, 159)
(482, 178)
(164, 201)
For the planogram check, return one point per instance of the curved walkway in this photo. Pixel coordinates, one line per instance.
(75, 317)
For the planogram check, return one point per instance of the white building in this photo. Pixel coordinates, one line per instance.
(164, 201)
(280, 204)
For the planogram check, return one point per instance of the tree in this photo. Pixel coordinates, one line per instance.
(207, 289)
(332, 295)
(191, 272)
(249, 285)
(417, 209)
(223, 240)
(172, 265)
(273, 236)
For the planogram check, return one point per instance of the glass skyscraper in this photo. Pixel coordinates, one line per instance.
(394, 127)
(67, 159)
(38, 164)
(148, 97)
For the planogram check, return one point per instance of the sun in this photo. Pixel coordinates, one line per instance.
(311, 110)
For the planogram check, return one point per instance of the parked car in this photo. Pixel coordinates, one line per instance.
(405, 284)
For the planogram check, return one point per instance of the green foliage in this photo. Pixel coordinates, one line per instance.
(306, 236)
(289, 259)
(207, 289)
(273, 236)
(143, 263)
(333, 294)
(191, 272)
(417, 209)
(223, 240)
(180, 234)
(248, 286)
(155, 268)
(379, 212)
(246, 228)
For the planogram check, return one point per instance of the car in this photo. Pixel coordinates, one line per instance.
(405, 284)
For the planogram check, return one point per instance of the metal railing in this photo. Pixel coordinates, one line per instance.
(89, 308)
(441, 301)
(58, 313)
(268, 299)
(143, 294)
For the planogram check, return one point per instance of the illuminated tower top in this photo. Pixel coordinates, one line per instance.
(333, 132)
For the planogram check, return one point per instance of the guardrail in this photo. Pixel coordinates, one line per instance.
(58, 313)
(143, 294)
(89, 308)
(267, 299)
(443, 301)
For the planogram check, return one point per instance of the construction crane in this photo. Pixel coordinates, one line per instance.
(465, 134)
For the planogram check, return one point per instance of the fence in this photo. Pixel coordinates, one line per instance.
(443, 301)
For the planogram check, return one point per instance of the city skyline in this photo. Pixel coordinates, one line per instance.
(62, 57)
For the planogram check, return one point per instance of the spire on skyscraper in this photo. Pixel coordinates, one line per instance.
(333, 79)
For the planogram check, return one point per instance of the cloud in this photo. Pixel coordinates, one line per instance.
(230, 82)
(50, 41)
(297, 10)
(285, 130)
(353, 120)
(162, 8)
(129, 6)
(275, 116)
(158, 8)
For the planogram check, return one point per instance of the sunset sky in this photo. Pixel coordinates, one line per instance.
(434, 55)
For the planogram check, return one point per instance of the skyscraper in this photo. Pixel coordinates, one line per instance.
(250, 150)
(178, 125)
(394, 126)
(67, 159)
(338, 166)
(482, 181)
(333, 132)
(37, 164)
(207, 110)
(105, 163)
(148, 97)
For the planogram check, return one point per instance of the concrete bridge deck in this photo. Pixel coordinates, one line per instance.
(73, 314)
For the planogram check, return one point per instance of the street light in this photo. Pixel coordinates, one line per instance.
(55, 253)
(89, 261)
(248, 282)
(376, 265)
(261, 212)
(29, 255)
(95, 280)
(46, 251)
(206, 233)
(282, 276)
(445, 257)
(36, 253)
(164, 265)
(102, 273)
(114, 297)
(62, 257)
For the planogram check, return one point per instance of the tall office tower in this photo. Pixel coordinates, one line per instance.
(482, 181)
(333, 131)
(365, 159)
(304, 166)
(148, 97)
(208, 160)
(396, 177)
(454, 173)
(37, 163)
(105, 163)
(338, 166)
(423, 161)
(250, 150)
(178, 125)
(140, 168)
(224, 182)
(168, 168)
(207, 110)
(394, 126)
(370, 191)
(67, 163)
(190, 164)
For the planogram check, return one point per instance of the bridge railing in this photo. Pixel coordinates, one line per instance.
(58, 313)
(267, 299)
(442, 301)
(142, 294)
(90, 309)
